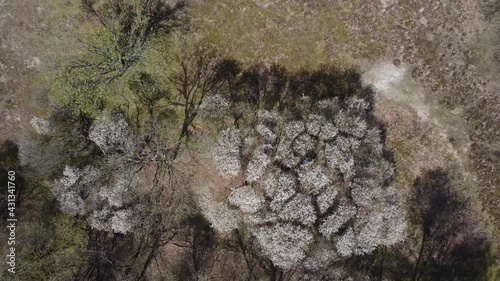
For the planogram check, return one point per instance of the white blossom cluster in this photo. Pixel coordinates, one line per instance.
(112, 133)
(112, 211)
(107, 220)
(288, 242)
(66, 191)
(258, 163)
(340, 216)
(104, 210)
(247, 199)
(227, 153)
(320, 256)
(218, 214)
(322, 173)
(214, 106)
(120, 222)
(120, 194)
(346, 243)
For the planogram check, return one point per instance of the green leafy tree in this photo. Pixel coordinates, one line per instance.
(124, 30)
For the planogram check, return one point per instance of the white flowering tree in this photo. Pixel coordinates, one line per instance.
(112, 134)
(103, 194)
(123, 156)
(315, 185)
(106, 207)
(214, 106)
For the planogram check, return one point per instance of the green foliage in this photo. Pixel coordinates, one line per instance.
(123, 33)
(52, 248)
(77, 89)
(127, 28)
(149, 98)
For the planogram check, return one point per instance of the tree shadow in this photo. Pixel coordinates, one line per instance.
(273, 86)
(449, 243)
(9, 162)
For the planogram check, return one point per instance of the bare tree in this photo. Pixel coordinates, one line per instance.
(195, 81)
